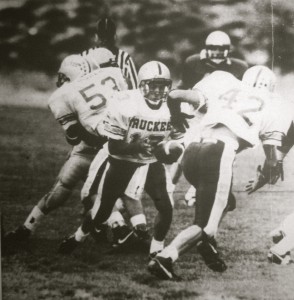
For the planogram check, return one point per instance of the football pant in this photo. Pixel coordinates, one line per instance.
(73, 171)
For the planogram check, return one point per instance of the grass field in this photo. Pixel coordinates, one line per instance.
(32, 149)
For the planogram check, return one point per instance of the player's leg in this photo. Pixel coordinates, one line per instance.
(89, 189)
(283, 237)
(116, 222)
(116, 180)
(74, 170)
(112, 184)
(161, 265)
(156, 187)
(204, 168)
(132, 200)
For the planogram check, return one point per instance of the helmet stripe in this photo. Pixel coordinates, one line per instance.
(257, 77)
(159, 69)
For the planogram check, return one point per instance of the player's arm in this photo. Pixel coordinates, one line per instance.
(175, 98)
(272, 135)
(120, 147)
(116, 126)
(76, 133)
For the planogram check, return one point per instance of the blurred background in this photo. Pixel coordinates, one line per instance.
(36, 35)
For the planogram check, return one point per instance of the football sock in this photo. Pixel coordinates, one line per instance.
(288, 225)
(116, 219)
(138, 219)
(187, 238)
(80, 236)
(156, 246)
(170, 251)
(33, 218)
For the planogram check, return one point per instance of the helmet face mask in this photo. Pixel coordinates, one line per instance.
(217, 46)
(154, 82)
(155, 91)
(72, 67)
(61, 79)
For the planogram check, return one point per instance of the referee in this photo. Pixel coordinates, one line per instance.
(105, 37)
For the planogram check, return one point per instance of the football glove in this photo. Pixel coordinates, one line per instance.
(267, 174)
(178, 118)
(256, 183)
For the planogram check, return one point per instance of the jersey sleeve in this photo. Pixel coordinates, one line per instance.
(274, 125)
(62, 110)
(116, 121)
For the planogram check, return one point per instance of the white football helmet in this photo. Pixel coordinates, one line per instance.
(72, 67)
(100, 58)
(154, 82)
(217, 46)
(260, 77)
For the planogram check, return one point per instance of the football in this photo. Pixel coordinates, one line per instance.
(168, 152)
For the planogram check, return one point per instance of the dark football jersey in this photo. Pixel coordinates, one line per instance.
(197, 67)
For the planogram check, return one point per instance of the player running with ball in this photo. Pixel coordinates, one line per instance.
(237, 118)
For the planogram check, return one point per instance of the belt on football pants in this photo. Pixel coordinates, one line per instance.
(224, 139)
(208, 140)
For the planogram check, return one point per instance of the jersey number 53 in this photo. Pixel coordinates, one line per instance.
(97, 100)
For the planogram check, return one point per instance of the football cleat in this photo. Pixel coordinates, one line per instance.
(141, 232)
(123, 237)
(101, 235)
(277, 236)
(68, 245)
(15, 240)
(142, 238)
(210, 255)
(279, 259)
(153, 255)
(19, 235)
(162, 267)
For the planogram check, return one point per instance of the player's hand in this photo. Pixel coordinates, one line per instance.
(256, 183)
(269, 174)
(179, 121)
(144, 147)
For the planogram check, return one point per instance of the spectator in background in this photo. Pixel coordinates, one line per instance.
(106, 37)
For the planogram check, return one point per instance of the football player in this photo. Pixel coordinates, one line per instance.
(78, 106)
(106, 37)
(138, 126)
(264, 80)
(215, 56)
(237, 117)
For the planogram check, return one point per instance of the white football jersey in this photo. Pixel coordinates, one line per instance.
(248, 113)
(84, 100)
(129, 118)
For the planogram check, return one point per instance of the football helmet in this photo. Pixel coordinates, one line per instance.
(260, 77)
(72, 67)
(154, 82)
(217, 46)
(100, 58)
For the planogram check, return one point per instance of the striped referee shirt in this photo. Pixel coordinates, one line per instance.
(125, 62)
